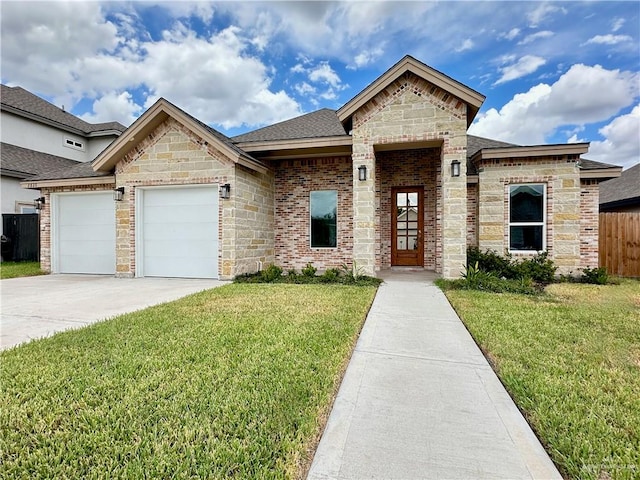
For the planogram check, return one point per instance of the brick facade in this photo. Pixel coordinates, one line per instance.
(410, 110)
(294, 180)
(589, 223)
(472, 215)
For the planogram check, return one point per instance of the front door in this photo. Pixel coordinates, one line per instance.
(407, 227)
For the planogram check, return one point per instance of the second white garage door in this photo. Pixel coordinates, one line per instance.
(178, 232)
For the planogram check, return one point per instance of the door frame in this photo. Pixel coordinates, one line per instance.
(402, 259)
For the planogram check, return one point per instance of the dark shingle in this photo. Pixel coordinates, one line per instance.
(25, 101)
(23, 162)
(586, 164)
(80, 170)
(625, 187)
(322, 123)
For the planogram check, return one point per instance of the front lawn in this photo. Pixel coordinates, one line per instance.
(234, 382)
(571, 361)
(20, 269)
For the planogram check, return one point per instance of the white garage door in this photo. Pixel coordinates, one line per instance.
(179, 232)
(85, 233)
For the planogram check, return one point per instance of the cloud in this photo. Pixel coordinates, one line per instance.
(609, 39)
(583, 95)
(114, 106)
(323, 73)
(617, 24)
(466, 45)
(511, 34)
(621, 144)
(524, 66)
(542, 12)
(535, 36)
(367, 57)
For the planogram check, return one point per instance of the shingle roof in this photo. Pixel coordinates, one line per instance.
(475, 144)
(321, 123)
(586, 164)
(24, 101)
(79, 170)
(22, 162)
(624, 188)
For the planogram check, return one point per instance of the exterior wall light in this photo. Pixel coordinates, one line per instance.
(455, 168)
(225, 191)
(362, 173)
(118, 194)
(39, 203)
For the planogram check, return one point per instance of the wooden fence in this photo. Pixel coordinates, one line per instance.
(619, 243)
(22, 237)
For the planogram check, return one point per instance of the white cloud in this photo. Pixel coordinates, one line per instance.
(609, 39)
(535, 36)
(524, 66)
(617, 24)
(621, 145)
(542, 12)
(466, 45)
(367, 57)
(114, 107)
(511, 34)
(304, 89)
(323, 73)
(583, 95)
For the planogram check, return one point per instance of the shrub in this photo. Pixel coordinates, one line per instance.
(309, 270)
(596, 276)
(490, 261)
(539, 268)
(271, 273)
(330, 276)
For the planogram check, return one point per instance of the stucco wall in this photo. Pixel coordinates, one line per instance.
(294, 179)
(411, 110)
(563, 215)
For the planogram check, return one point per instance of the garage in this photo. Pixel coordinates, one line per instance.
(85, 236)
(177, 232)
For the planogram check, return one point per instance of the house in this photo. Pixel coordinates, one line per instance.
(329, 187)
(622, 194)
(38, 138)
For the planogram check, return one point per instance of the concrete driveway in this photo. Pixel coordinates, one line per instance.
(35, 307)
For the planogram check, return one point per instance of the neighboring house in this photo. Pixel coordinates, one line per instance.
(621, 194)
(38, 138)
(329, 187)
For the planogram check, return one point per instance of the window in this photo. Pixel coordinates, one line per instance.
(22, 207)
(527, 206)
(323, 208)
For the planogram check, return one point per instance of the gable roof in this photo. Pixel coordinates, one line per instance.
(472, 98)
(321, 123)
(21, 102)
(151, 119)
(22, 162)
(622, 190)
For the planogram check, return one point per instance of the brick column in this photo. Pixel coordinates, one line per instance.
(364, 206)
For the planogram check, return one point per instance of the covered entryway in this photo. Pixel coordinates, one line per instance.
(407, 246)
(177, 232)
(84, 240)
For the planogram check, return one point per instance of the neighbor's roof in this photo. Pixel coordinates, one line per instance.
(318, 124)
(21, 102)
(22, 162)
(624, 189)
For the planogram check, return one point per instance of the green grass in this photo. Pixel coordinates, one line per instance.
(234, 382)
(571, 361)
(20, 269)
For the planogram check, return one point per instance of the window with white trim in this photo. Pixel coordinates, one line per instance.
(527, 217)
(73, 143)
(323, 209)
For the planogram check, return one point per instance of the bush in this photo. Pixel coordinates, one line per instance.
(596, 276)
(271, 273)
(330, 276)
(539, 268)
(309, 270)
(490, 261)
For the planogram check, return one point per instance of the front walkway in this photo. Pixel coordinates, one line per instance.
(419, 400)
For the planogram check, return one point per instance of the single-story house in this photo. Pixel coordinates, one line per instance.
(173, 197)
(622, 194)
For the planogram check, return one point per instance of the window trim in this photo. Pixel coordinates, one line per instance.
(311, 221)
(543, 223)
(73, 143)
(20, 206)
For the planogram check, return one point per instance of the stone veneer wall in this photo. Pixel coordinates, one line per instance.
(472, 215)
(563, 228)
(410, 110)
(410, 168)
(589, 222)
(294, 179)
(45, 217)
(173, 155)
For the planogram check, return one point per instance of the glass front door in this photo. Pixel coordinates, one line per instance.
(407, 245)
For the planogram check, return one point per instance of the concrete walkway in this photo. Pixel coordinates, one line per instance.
(36, 307)
(420, 401)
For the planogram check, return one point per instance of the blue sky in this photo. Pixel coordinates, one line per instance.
(552, 72)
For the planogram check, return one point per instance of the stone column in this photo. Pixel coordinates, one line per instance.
(364, 206)
(454, 207)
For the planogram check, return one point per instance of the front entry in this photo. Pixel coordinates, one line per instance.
(407, 227)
